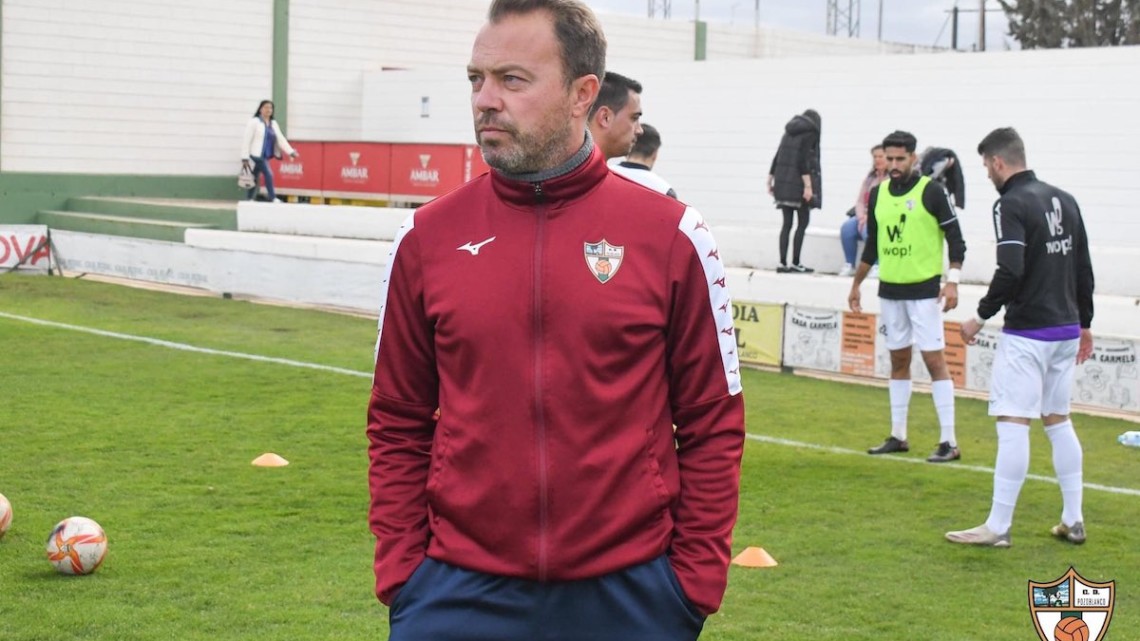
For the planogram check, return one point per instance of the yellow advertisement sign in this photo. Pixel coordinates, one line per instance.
(759, 332)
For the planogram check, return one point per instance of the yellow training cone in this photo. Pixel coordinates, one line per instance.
(753, 557)
(269, 459)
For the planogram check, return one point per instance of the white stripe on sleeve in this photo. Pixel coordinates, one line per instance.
(408, 225)
(697, 231)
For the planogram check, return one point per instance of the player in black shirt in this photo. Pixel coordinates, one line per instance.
(1044, 279)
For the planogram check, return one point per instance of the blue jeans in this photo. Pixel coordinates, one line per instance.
(850, 236)
(441, 602)
(261, 167)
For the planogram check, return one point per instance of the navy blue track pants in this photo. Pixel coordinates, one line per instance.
(441, 602)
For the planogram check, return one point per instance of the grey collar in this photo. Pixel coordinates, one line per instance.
(570, 165)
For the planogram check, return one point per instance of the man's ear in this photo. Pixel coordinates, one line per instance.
(584, 91)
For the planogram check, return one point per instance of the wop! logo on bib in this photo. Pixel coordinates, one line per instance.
(1071, 608)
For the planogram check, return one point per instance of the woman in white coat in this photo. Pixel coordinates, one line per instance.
(263, 140)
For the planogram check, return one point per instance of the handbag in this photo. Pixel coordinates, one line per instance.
(245, 177)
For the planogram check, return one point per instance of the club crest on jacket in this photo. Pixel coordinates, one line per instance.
(604, 259)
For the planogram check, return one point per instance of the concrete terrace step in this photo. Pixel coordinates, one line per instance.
(218, 214)
(130, 226)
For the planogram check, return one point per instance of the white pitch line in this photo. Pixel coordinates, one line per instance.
(958, 466)
(186, 348)
(348, 372)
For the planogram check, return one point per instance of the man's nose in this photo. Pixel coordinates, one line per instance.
(487, 98)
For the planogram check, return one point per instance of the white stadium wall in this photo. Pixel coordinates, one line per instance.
(1071, 106)
(331, 50)
(332, 44)
(721, 123)
(732, 42)
(164, 87)
(129, 87)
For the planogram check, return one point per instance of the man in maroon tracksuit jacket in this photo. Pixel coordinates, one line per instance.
(565, 319)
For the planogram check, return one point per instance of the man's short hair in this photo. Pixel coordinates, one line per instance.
(615, 92)
(903, 139)
(647, 143)
(580, 35)
(1004, 143)
(876, 148)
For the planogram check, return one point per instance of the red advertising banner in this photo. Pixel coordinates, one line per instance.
(473, 163)
(300, 175)
(357, 169)
(422, 172)
(24, 247)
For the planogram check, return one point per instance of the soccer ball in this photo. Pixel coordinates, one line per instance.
(5, 515)
(77, 545)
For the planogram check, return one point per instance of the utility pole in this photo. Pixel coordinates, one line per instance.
(981, 25)
(954, 28)
(880, 20)
(981, 11)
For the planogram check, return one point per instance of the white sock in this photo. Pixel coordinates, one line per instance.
(900, 403)
(1009, 473)
(1067, 462)
(943, 392)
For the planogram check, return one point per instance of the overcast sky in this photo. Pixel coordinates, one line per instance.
(910, 21)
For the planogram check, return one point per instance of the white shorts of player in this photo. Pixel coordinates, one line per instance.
(1032, 378)
(913, 322)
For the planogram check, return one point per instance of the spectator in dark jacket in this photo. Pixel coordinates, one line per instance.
(794, 181)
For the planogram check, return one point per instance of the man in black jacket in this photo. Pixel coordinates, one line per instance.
(794, 181)
(1044, 279)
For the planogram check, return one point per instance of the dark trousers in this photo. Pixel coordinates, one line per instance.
(441, 602)
(804, 215)
(261, 168)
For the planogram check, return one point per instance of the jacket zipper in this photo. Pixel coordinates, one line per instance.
(540, 418)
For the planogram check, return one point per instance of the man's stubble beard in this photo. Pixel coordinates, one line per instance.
(531, 152)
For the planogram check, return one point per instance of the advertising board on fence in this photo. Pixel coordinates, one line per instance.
(357, 169)
(300, 176)
(422, 172)
(135, 258)
(849, 343)
(812, 338)
(25, 248)
(759, 332)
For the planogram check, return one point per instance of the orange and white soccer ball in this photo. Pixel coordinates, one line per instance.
(5, 515)
(77, 545)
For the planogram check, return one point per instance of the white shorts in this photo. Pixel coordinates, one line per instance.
(1032, 378)
(913, 322)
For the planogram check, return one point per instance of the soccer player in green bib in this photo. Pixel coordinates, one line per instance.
(909, 219)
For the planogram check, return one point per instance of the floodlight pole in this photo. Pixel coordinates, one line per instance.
(880, 20)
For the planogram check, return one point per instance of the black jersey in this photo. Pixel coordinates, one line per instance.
(1044, 273)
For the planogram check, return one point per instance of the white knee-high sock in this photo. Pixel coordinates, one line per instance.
(1009, 473)
(943, 393)
(1069, 465)
(900, 404)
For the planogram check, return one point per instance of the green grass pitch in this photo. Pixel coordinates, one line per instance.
(155, 443)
